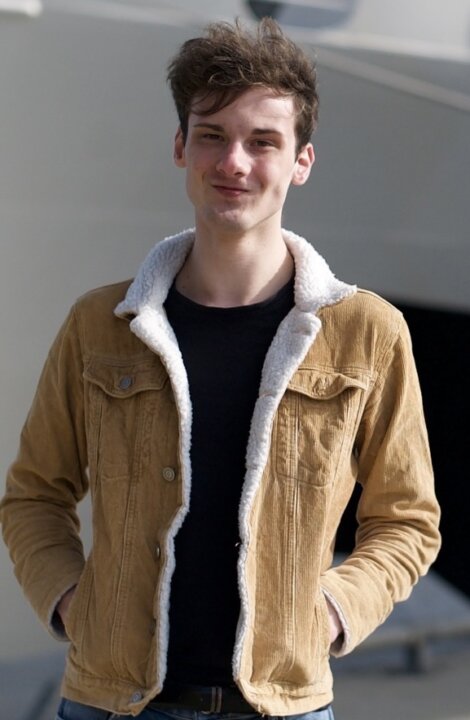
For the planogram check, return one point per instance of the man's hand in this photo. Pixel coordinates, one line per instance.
(336, 629)
(64, 602)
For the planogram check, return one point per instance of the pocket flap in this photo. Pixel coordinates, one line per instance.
(124, 380)
(323, 385)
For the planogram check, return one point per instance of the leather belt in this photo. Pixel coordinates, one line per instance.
(201, 698)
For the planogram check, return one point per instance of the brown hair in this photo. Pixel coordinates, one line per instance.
(228, 60)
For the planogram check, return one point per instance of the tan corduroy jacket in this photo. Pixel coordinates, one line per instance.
(339, 403)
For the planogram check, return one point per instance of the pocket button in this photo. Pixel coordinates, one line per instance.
(125, 382)
(168, 474)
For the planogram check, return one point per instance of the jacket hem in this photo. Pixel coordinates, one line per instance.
(113, 695)
(120, 696)
(284, 699)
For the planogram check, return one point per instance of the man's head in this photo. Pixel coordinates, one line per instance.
(215, 69)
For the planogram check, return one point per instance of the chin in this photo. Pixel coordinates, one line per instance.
(229, 221)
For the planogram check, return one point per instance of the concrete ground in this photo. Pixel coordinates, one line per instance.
(381, 688)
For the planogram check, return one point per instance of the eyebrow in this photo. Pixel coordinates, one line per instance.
(255, 131)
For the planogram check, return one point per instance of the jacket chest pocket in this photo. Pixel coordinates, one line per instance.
(123, 401)
(316, 424)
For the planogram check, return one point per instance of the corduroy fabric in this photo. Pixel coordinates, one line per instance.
(339, 403)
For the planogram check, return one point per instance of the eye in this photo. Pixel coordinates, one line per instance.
(263, 143)
(211, 136)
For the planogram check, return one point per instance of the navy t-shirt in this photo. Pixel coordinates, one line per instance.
(223, 351)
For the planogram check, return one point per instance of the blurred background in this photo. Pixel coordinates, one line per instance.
(87, 186)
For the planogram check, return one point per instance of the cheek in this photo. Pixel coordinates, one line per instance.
(193, 173)
(281, 185)
(190, 184)
(199, 169)
(278, 177)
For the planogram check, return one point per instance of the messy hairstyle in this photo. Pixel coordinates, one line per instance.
(229, 59)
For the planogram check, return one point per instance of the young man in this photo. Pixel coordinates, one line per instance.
(221, 408)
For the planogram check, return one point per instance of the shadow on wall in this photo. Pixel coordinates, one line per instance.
(440, 339)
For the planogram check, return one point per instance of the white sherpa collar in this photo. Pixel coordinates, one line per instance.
(315, 284)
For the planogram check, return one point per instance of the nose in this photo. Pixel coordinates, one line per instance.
(233, 160)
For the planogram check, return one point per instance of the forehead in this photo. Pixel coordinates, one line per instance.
(258, 107)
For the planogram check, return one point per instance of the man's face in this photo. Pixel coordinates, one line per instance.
(240, 162)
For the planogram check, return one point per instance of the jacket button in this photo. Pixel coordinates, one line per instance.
(125, 382)
(158, 551)
(136, 697)
(168, 474)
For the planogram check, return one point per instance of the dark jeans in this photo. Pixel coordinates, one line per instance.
(69, 710)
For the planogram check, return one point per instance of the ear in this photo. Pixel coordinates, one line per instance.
(303, 165)
(178, 150)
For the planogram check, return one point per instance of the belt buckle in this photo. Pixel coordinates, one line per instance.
(216, 701)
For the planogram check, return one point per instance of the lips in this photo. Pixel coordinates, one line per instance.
(230, 190)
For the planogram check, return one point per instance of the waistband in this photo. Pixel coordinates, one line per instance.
(201, 698)
(208, 699)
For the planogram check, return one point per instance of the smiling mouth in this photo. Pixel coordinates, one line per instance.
(227, 190)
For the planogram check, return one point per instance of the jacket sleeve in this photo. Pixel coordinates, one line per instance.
(47, 479)
(398, 515)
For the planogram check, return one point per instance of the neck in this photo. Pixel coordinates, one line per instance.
(230, 272)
